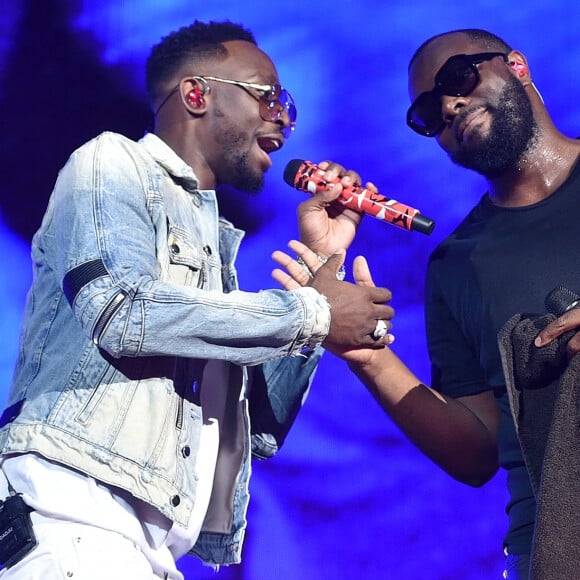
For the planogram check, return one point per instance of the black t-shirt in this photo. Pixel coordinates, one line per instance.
(499, 262)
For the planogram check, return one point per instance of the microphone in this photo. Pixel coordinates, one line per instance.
(560, 300)
(307, 176)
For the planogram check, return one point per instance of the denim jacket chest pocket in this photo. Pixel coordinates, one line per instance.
(191, 263)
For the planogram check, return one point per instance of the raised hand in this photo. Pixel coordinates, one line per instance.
(325, 226)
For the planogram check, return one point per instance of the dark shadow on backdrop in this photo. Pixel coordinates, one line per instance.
(57, 94)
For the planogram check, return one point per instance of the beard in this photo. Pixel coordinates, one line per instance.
(513, 131)
(236, 170)
(248, 179)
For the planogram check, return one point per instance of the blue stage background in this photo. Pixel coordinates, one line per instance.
(348, 497)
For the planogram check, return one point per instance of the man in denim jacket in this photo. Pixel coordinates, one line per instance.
(145, 377)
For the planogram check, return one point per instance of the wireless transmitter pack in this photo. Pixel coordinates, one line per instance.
(16, 534)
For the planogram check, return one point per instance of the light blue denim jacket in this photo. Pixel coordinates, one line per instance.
(134, 288)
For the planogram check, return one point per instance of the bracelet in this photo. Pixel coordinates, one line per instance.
(340, 275)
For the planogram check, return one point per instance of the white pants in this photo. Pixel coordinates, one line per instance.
(79, 552)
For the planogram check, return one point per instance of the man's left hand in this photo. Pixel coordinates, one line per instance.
(568, 321)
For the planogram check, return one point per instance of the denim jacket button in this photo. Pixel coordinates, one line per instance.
(186, 451)
(207, 250)
(175, 248)
(175, 500)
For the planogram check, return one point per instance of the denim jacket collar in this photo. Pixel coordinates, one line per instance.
(170, 161)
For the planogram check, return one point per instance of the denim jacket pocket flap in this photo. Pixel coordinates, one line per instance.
(187, 260)
(183, 251)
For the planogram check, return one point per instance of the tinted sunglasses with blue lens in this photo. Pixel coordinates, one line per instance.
(456, 78)
(273, 100)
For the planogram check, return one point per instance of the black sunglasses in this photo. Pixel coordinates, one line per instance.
(456, 78)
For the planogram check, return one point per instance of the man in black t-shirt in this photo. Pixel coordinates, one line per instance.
(475, 94)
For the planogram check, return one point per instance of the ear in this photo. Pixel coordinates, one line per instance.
(519, 66)
(193, 92)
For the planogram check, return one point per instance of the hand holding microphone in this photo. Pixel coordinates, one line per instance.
(308, 177)
(565, 305)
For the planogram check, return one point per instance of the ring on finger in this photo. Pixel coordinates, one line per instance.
(380, 330)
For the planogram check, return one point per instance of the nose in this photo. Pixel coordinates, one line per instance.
(283, 118)
(451, 107)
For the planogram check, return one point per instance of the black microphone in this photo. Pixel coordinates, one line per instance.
(307, 176)
(560, 300)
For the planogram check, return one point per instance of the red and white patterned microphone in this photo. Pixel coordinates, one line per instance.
(307, 176)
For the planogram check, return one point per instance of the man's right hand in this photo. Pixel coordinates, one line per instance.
(354, 309)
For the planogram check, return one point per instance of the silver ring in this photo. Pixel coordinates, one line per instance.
(380, 330)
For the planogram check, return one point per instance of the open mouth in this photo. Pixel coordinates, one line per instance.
(269, 144)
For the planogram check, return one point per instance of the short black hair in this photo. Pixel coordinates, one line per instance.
(485, 39)
(194, 43)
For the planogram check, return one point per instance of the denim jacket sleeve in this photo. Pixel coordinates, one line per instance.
(107, 226)
(279, 389)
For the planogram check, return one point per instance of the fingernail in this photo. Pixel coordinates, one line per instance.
(538, 341)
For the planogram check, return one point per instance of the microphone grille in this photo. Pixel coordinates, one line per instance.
(560, 300)
(291, 171)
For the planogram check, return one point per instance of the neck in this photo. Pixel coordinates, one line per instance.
(540, 172)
